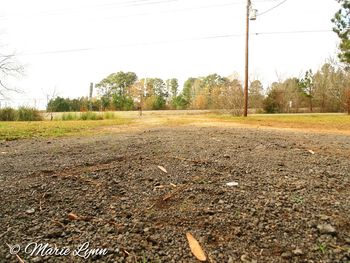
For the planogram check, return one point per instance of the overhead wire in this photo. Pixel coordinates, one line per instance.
(108, 5)
(178, 40)
(161, 42)
(272, 8)
(293, 32)
(124, 4)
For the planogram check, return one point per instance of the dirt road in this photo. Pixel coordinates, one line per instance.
(291, 204)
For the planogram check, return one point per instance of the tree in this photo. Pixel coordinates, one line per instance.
(173, 86)
(341, 22)
(213, 80)
(159, 87)
(323, 83)
(178, 102)
(116, 88)
(256, 95)
(123, 102)
(50, 95)
(117, 83)
(58, 104)
(228, 96)
(274, 102)
(293, 97)
(307, 87)
(188, 92)
(9, 67)
(105, 102)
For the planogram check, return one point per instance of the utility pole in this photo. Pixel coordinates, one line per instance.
(246, 73)
(90, 95)
(142, 91)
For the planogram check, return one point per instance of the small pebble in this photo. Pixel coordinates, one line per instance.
(298, 252)
(326, 229)
(30, 211)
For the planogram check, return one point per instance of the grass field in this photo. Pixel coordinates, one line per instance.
(314, 122)
(320, 122)
(23, 130)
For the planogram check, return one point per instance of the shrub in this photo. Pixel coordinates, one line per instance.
(69, 116)
(8, 114)
(90, 116)
(109, 115)
(28, 114)
(74, 116)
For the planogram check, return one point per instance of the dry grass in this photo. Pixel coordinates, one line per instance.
(23, 130)
(338, 123)
(321, 122)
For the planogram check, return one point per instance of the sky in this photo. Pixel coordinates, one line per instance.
(65, 45)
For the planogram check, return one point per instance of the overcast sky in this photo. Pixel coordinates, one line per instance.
(67, 44)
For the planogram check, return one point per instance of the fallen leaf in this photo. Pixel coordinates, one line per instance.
(232, 184)
(162, 168)
(311, 151)
(195, 247)
(30, 211)
(72, 216)
(158, 187)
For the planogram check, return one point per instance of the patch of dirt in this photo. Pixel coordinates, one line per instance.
(291, 204)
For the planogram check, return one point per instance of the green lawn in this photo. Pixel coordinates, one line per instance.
(22, 130)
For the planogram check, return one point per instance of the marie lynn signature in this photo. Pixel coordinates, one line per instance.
(46, 249)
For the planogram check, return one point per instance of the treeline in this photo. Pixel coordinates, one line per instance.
(59, 104)
(327, 90)
(124, 91)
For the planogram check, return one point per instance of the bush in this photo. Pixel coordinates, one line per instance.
(90, 116)
(8, 114)
(273, 103)
(123, 102)
(69, 116)
(108, 115)
(28, 114)
(22, 114)
(75, 116)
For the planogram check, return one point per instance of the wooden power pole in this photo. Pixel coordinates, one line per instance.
(90, 95)
(246, 73)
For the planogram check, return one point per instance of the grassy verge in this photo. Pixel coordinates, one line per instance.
(75, 116)
(313, 121)
(22, 130)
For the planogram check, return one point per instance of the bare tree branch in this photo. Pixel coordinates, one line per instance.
(9, 67)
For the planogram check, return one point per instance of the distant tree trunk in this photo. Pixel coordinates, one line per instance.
(310, 103)
(323, 103)
(348, 102)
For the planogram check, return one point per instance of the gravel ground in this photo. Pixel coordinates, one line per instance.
(291, 204)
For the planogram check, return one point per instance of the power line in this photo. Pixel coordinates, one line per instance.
(108, 5)
(188, 9)
(128, 45)
(293, 32)
(160, 42)
(133, 3)
(272, 8)
(176, 10)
